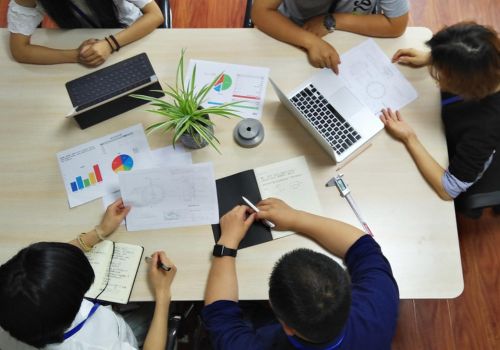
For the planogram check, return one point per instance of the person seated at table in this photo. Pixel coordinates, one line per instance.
(42, 304)
(303, 23)
(137, 17)
(464, 59)
(318, 305)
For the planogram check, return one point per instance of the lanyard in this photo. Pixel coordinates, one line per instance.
(79, 326)
(451, 100)
(301, 346)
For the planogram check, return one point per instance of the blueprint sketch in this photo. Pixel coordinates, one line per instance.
(174, 196)
(373, 79)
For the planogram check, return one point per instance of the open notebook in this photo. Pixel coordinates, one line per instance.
(115, 266)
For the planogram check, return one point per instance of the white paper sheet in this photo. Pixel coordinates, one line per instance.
(373, 79)
(91, 170)
(239, 83)
(290, 181)
(182, 195)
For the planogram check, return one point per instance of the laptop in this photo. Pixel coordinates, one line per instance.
(337, 119)
(104, 93)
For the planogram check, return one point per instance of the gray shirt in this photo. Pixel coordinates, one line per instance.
(300, 11)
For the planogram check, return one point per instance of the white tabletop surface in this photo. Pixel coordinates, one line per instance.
(417, 230)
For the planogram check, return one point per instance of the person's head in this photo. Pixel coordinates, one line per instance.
(465, 59)
(64, 15)
(310, 294)
(41, 289)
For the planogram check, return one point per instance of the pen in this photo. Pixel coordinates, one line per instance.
(267, 222)
(160, 264)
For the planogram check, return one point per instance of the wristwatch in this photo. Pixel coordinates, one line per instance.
(329, 22)
(220, 250)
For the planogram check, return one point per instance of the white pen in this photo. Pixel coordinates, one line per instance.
(267, 222)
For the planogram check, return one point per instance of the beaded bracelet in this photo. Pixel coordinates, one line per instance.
(82, 243)
(116, 42)
(109, 43)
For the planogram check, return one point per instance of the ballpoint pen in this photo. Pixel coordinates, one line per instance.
(250, 204)
(346, 193)
(160, 264)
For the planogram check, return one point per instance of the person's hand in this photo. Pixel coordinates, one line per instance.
(412, 57)
(323, 55)
(94, 54)
(161, 280)
(234, 225)
(278, 212)
(396, 126)
(316, 26)
(115, 213)
(86, 43)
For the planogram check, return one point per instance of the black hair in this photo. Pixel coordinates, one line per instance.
(465, 58)
(310, 293)
(103, 10)
(41, 289)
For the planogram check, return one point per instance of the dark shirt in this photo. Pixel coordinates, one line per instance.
(472, 134)
(370, 325)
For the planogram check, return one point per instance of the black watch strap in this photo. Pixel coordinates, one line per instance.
(220, 250)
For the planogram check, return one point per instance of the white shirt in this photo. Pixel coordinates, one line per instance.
(24, 20)
(104, 330)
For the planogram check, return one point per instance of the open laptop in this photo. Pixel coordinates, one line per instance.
(325, 106)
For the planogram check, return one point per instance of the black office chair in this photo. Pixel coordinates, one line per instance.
(473, 205)
(185, 325)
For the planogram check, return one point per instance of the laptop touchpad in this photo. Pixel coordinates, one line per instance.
(345, 102)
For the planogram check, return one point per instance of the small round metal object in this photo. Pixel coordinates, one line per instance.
(248, 133)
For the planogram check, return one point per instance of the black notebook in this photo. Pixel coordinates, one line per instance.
(289, 180)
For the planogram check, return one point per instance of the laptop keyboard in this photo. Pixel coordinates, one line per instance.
(111, 81)
(325, 119)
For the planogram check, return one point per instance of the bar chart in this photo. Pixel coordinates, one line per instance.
(93, 178)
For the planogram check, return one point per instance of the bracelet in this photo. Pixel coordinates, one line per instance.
(115, 41)
(82, 243)
(109, 43)
(99, 232)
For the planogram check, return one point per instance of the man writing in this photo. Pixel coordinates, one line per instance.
(317, 304)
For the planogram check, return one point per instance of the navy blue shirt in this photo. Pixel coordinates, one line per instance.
(372, 318)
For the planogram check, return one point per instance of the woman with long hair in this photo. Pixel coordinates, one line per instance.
(138, 18)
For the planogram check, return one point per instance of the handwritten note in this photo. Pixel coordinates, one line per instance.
(291, 182)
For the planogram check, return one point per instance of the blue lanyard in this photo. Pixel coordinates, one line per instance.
(79, 326)
(451, 100)
(296, 344)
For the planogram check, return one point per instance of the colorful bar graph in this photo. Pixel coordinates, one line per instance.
(93, 178)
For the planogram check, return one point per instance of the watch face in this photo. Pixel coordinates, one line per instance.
(329, 23)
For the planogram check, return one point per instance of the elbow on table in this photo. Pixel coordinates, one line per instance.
(398, 26)
(19, 55)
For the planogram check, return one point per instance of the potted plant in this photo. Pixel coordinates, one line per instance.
(184, 115)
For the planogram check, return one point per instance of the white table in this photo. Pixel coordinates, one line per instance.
(417, 231)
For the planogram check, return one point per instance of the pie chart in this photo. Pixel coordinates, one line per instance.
(123, 162)
(223, 83)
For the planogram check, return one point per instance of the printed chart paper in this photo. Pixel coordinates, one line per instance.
(174, 196)
(373, 79)
(91, 170)
(246, 84)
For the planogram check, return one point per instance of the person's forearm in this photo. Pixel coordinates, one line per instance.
(280, 27)
(430, 169)
(142, 27)
(36, 54)
(371, 25)
(158, 330)
(222, 283)
(335, 236)
(90, 239)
